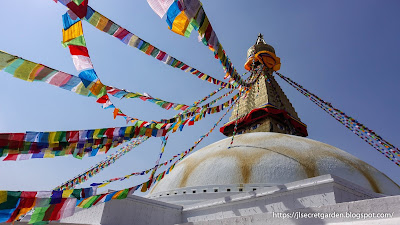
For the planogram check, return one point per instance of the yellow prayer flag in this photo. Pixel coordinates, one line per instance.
(73, 32)
(180, 24)
(132, 95)
(3, 196)
(67, 193)
(52, 136)
(84, 202)
(24, 70)
(96, 87)
(128, 131)
(204, 26)
(102, 23)
(175, 127)
(80, 89)
(178, 107)
(144, 187)
(96, 133)
(103, 185)
(95, 18)
(220, 53)
(48, 154)
(134, 41)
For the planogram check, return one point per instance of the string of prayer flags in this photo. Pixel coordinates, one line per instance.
(164, 143)
(144, 172)
(369, 136)
(82, 60)
(170, 105)
(92, 171)
(80, 55)
(33, 72)
(194, 109)
(108, 26)
(184, 16)
(78, 143)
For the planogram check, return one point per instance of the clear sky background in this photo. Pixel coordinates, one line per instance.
(346, 52)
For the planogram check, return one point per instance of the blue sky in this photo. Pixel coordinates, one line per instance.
(346, 52)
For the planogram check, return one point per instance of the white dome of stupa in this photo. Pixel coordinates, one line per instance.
(270, 159)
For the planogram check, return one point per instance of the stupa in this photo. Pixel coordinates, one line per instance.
(270, 148)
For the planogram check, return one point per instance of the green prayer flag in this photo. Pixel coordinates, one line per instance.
(101, 132)
(124, 194)
(90, 202)
(38, 214)
(132, 95)
(144, 47)
(60, 153)
(189, 29)
(82, 90)
(102, 92)
(94, 20)
(76, 193)
(142, 131)
(194, 24)
(3, 152)
(41, 223)
(6, 59)
(79, 41)
(114, 27)
(174, 63)
(155, 52)
(63, 136)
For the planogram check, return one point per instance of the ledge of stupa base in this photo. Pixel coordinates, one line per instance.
(322, 194)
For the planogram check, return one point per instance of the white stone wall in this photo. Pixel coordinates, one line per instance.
(386, 205)
(314, 192)
(129, 211)
(91, 216)
(138, 210)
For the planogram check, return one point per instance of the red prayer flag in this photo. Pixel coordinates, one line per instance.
(11, 157)
(80, 10)
(78, 50)
(73, 136)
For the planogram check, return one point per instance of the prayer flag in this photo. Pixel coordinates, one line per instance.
(72, 32)
(160, 6)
